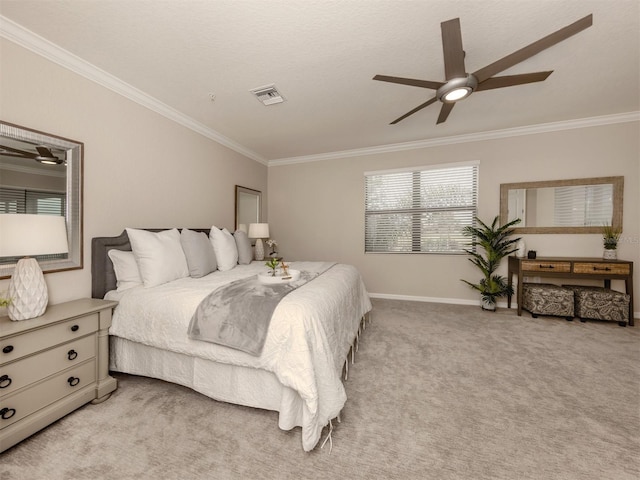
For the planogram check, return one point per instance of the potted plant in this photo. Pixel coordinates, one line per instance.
(273, 264)
(496, 242)
(610, 237)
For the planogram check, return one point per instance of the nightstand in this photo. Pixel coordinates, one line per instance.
(52, 365)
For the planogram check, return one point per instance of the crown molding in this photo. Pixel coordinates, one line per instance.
(43, 47)
(472, 137)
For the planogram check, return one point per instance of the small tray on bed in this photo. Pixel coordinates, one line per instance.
(279, 278)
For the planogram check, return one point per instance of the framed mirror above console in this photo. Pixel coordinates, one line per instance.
(41, 173)
(582, 205)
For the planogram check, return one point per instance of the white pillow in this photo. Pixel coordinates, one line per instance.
(125, 268)
(159, 255)
(224, 246)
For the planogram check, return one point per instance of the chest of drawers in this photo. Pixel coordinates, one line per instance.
(570, 267)
(51, 365)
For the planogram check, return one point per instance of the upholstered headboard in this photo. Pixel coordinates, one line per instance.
(103, 277)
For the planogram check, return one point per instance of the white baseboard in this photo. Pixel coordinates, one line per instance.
(454, 301)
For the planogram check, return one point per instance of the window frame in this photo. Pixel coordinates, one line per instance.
(447, 240)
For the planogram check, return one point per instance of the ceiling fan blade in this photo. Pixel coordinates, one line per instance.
(452, 48)
(409, 81)
(45, 152)
(14, 152)
(417, 109)
(444, 112)
(511, 80)
(533, 49)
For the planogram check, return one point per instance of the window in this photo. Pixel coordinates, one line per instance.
(589, 205)
(420, 210)
(19, 200)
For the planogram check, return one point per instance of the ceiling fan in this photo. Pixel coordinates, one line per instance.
(459, 84)
(44, 154)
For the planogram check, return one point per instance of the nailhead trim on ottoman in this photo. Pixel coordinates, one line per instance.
(600, 303)
(547, 299)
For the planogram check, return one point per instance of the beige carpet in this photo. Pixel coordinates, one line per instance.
(437, 392)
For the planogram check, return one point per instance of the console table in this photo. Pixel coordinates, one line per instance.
(569, 267)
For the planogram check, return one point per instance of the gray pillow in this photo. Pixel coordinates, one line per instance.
(201, 258)
(245, 252)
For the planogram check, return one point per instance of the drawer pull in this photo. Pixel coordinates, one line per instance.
(605, 269)
(73, 381)
(7, 349)
(72, 354)
(7, 413)
(547, 266)
(75, 328)
(5, 381)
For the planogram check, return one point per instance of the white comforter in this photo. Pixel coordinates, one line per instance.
(309, 335)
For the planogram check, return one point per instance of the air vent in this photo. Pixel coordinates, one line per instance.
(268, 94)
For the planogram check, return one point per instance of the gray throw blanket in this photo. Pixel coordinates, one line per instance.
(238, 315)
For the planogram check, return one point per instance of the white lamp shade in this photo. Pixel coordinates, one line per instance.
(22, 235)
(258, 230)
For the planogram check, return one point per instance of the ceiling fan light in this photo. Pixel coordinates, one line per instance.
(48, 160)
(456, 94)
(456, 89)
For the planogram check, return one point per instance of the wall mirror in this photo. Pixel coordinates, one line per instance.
(581, 205)
(41, 173)
(248, 207)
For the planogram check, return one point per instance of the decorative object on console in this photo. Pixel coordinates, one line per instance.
(531, 254)
(610, 237)
(23, 235)
(497, 244)
(522, 249)
(259, 231)
(273, 245)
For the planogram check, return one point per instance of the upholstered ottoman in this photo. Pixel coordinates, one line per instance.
(599, 303)
(547, 299)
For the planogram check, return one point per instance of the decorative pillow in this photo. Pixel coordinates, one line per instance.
(224, 245)
(125, 268)
(201, 259)
(159, 255)
(245, 252)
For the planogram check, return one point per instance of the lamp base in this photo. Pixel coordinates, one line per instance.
(27, 291)
(259, 249)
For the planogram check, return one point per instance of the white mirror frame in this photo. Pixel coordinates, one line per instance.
(251, 210)
(73, 215)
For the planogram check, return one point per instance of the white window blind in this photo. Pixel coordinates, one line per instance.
(420, 211)
(590, 205)
(19, 200)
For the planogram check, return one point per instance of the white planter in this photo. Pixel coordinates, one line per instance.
(610, 254)
(488, 305)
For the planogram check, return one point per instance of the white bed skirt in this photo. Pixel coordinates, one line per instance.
(196, 373)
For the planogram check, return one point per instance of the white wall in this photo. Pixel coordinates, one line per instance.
(140, 168)
(316, 210)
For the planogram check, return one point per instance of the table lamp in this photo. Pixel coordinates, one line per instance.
(259, 231)
(23, 235)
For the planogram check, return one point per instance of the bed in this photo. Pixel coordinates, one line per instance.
(299, 371)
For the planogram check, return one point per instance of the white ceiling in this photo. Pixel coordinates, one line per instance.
(322, 55)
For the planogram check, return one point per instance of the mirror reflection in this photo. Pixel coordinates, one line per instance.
(41, 174)
(248, 207)
(563, 206)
